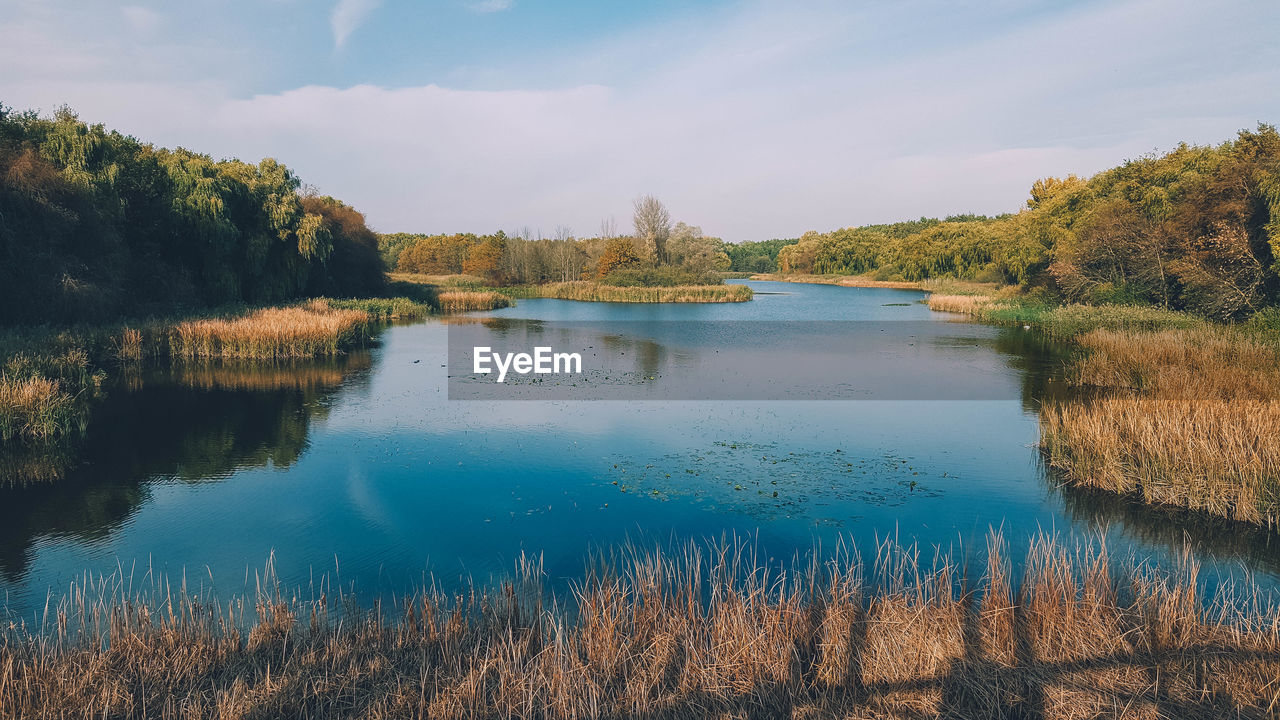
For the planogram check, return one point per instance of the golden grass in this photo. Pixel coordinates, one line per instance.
(843, 280)
(43, 395)
(314, 329)
(445, 281)
(32, 407)
(1219, 457)
(704, 633)
(967, 304)
(454, 301)
(1193, 421)
(588, 291)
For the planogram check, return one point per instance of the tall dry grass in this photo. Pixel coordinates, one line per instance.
(314, 329)
(967, 304)
(454, 301)
(1192, 419)
(709, 632)
(42, 394)
(588, 291)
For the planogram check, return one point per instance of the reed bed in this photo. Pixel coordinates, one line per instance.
(863, 281)
(1218, 457)
(43, 394)
(459, 281)
(588, 291)
(709, 631)
(1194, 421)
(393, 308)
(455, 301)
(967, 304)
(314, 329)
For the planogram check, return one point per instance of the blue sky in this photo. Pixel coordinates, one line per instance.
(750, 119)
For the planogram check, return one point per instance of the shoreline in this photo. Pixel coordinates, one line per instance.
(702, 630)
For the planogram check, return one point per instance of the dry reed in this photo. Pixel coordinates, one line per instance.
(42, 396)
(455, 301)
(1193, 421)
(314, 329)
(707, 632)
(967, 304)
(587, 291)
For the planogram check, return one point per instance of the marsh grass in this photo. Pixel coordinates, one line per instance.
(393, 308)
(451, 292)
(43, 391)
(1190, 416)
(461, 282)
(1063, 321)
(455, 301)
(1193, 420)
(865, 281)
(588, 291)
(50, 377)
(967, 304)
(313, 329)
(704, 631)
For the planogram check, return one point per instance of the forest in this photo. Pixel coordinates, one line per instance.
(1196, 229)
(95, 224)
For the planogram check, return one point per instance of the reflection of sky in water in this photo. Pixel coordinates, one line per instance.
(386, 475)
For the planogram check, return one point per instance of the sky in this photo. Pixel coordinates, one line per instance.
(752, 120)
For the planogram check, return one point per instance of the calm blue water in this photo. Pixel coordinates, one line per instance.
(365, 471)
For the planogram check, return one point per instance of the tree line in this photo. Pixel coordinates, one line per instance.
(655, 253)
(1194, 229)
(95, 224)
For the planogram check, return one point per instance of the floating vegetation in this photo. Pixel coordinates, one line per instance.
(761, 480)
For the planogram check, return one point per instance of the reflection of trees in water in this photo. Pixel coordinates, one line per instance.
(1172, 527)
(1040, 363)
(190, 423)
(647, 356)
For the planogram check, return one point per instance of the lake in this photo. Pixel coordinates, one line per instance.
(363, 470)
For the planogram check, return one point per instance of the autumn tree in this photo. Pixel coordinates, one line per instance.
(619, 253)
(652, 226)
(485, 257)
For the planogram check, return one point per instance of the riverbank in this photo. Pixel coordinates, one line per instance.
(1182, 411)
(705, 632)
(50, 377)
(583, 290)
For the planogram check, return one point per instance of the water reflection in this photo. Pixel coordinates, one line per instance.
(189, 423)
(379, 468)
(1174, 528)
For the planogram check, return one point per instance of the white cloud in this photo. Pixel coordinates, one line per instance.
(144, 21)
(348, 15)
(768, 123)
(489, 6)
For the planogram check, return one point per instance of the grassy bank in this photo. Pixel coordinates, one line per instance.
(1184, 412)
(50, 377)
(584, 290)
(315, 329)
(842, 280)
(454, 301)
(587, 291)
(1192, 418)
(710, 632)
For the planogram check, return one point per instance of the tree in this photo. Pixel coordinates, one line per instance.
(652, 225)
(618, 253)
(485, 257)
(608, 228)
